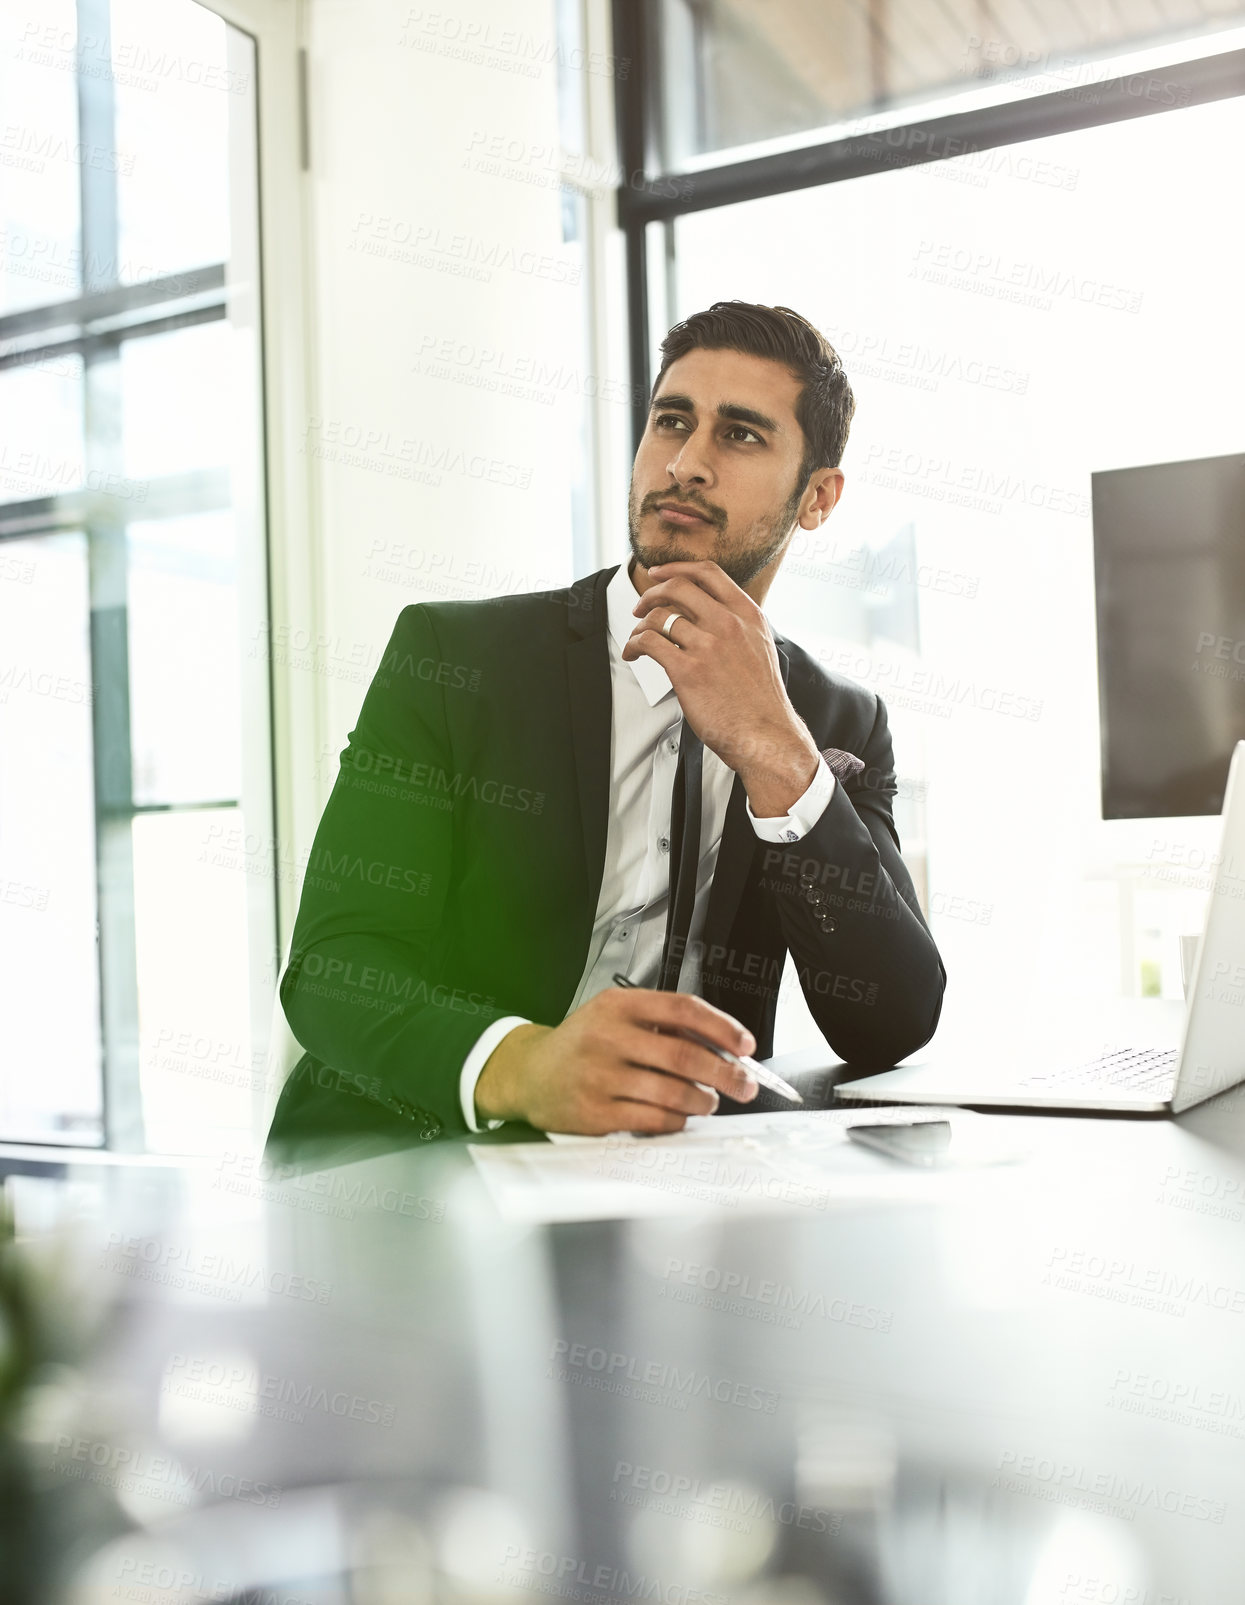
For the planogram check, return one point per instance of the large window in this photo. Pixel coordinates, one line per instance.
(1028, 284)
(136, 875)
(735, 73)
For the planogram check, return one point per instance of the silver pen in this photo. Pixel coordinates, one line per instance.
(758, 1072)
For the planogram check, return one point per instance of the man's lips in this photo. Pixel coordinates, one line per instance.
(679, 514)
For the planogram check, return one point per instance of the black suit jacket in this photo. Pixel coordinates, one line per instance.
(455, 872)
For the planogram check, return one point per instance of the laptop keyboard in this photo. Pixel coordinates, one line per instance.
(1126, 1069)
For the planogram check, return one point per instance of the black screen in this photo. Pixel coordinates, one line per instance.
(1169, 568)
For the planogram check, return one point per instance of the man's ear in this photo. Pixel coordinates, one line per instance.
(826, 487)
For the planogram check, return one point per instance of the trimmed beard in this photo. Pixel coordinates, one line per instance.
(739, 559)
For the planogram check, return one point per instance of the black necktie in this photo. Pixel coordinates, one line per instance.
(684, 857)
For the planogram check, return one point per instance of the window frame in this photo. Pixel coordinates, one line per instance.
(649, 205)
(279, 574)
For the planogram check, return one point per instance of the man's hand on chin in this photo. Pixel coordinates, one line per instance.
(724, 668)
(612, 1065)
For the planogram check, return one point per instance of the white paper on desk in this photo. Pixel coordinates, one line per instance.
(730, 1165)
(800, 1125)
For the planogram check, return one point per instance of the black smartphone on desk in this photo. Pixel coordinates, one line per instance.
(923, 1142)
(934, 1144)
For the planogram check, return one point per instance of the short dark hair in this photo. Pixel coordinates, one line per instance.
(825, 405)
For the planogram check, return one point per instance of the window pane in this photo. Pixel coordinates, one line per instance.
(40, 155)
(41, 449)
(152, 446)
(172, 387)
(48, 972)
(175, 89)
(737, 72)
(185, 696)
(1011, 321)
(190, 932)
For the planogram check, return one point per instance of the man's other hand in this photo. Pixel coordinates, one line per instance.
(613, 1065)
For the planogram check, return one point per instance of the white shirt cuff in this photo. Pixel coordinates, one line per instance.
(804, 814)
(475, 1062)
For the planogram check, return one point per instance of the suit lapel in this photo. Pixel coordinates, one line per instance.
(591, 705)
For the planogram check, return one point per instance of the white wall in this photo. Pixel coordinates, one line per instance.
(432, 485)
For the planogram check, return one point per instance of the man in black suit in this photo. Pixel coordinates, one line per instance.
(519, 794)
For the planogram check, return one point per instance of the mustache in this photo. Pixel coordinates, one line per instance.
(656, 499)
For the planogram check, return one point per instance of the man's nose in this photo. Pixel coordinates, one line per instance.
(690, 466)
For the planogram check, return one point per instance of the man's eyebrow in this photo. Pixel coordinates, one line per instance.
(726, 409)
(673, 403)
(748, 415)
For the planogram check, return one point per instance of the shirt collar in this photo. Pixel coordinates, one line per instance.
(621, 597)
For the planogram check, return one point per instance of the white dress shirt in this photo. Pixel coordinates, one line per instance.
(630, 926)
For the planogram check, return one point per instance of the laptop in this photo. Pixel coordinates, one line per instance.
(1140, 1080)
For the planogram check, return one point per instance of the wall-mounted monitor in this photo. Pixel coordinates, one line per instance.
(1169, 570)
